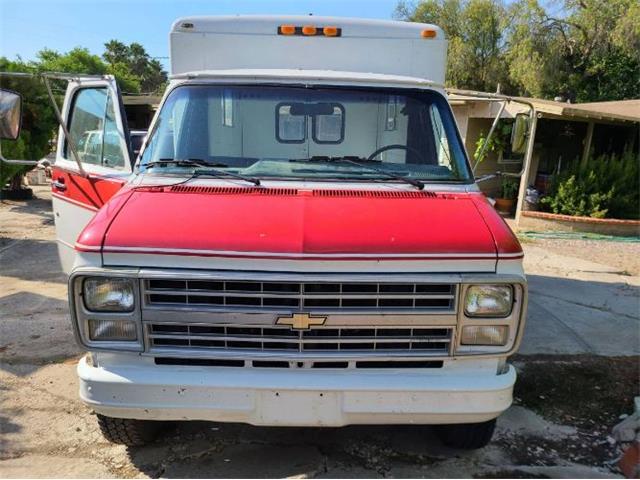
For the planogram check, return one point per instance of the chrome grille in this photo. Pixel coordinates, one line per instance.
(301, 296)
(423, 341)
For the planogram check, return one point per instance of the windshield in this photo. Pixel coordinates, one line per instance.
(308, 133)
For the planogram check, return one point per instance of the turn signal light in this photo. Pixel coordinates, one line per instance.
(486, 335)
(112, 330)
(428, 33)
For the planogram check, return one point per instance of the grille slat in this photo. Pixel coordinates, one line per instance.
(431, 341)
(292, 296)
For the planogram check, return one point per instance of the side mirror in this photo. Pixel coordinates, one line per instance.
(10, 114)
(520, 133)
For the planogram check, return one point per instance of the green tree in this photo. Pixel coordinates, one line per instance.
(134, 60)
(77, 60)
(134, 70)
(38, 122)
(80, 60)
(589, 53)
(474, 29)
(526, 49)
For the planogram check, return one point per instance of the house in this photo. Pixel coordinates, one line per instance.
(562, 132)
(140, 109)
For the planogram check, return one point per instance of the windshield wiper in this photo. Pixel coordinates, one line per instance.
(196, 162)
(184, 162)
(221, 173)
(362, 162)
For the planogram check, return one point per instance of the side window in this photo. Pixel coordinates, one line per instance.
(87, 124)
(112, 155)
(441, 142)
(93, 129)
(329, 128)
(290, 128)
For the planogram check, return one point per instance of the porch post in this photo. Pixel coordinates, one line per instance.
(526, 168)
(587, 144)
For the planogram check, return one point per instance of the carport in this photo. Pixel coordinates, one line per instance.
(562, 133)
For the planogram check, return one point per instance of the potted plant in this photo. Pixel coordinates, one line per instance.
(508, 195)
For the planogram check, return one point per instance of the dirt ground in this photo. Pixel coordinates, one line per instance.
(560, 424)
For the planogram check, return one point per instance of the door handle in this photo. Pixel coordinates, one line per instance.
(59, 184)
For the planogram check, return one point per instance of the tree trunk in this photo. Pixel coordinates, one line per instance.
(16, 182)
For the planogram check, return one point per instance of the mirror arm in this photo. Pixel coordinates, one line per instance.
(63, 125)
(491, 130)
(16, 162)
(484, 178)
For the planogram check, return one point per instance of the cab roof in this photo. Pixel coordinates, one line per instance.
(309, 76)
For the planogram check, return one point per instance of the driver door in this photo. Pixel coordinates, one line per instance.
(95, 119)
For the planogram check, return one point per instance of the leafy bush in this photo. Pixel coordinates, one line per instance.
(510, 188)
(604, 187)
(13, 150)
(496, 143)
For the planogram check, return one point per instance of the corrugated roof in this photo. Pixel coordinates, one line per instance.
(623, 110)
(629, 108)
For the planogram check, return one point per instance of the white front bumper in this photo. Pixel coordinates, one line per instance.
(294, 397)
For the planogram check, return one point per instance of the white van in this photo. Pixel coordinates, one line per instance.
(301, 241)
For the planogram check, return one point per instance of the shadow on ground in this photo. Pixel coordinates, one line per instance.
(203, 449)
(36, 206)
(30, 259)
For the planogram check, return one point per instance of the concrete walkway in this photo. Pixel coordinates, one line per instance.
(578, 306)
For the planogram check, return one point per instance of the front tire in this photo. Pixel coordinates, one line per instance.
(127, 431)
(466, 436)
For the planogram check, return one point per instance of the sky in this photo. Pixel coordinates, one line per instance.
(27, 26)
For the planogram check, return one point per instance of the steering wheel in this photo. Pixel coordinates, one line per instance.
(397, 146)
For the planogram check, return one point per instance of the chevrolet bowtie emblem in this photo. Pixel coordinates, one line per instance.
(300, 321)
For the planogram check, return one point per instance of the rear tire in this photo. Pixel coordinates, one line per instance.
(466, 436)
(127, 431)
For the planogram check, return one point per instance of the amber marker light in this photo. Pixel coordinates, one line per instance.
(330, 31)
(287, 30)
(309, 30)
(428, 33)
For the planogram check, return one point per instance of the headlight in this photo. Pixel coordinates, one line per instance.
(104, 294)
(485, 335)
(488, 301)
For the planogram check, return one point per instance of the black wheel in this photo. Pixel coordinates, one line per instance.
(127, 431)
(467, 436)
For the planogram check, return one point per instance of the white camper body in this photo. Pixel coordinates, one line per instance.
(252, 42)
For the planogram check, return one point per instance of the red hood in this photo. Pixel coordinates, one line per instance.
(299, 223)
